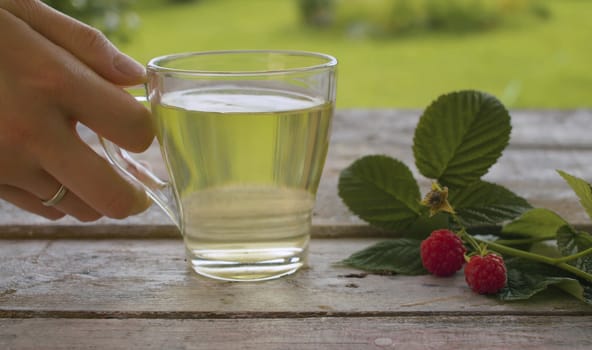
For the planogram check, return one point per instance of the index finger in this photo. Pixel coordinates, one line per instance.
(106, 109)
(61, 79)
(86, 43)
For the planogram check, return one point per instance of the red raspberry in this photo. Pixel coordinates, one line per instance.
(486, 274)
(443, 253)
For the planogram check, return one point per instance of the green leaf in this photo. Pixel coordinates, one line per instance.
(571, 242)
(527, 278)
(537, 222)
(485, 203)
(400, 256)
(546, 248)
(582, 189)
(460, 136)
(381, 191)
(425, 224)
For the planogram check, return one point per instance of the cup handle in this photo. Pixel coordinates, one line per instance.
(160, 191)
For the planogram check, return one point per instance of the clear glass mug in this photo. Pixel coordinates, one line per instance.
(244, 136)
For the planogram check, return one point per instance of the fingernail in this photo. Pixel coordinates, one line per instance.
(128, 66)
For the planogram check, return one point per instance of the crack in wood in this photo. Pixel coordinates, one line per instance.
(195, 315)
(432, 300)
(35, 258)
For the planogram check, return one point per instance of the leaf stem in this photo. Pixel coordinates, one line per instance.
(574, 256)
(466, 236)
(509, 242)
(481, 245)
(559, 262)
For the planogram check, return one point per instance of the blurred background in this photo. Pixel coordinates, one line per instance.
(392, 53)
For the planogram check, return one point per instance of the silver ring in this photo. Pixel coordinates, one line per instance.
(57, 197)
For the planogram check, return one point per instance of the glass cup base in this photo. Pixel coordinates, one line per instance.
(239, 264)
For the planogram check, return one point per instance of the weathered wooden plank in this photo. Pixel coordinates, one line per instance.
(437, 332)
(75, 293)
(150, 279)
(542, 141)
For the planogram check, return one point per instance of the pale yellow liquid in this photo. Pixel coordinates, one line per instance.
(246, 165)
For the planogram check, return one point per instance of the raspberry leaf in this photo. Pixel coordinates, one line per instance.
(582, 189)
(381, 191)
(400, 256)
(527, 278)
(485, 203)
(571, 242)
(460, 136)
(538, 222)
(425, 224)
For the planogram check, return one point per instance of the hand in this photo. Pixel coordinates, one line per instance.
(54, 73)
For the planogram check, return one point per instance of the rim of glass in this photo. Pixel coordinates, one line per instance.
(156, 63)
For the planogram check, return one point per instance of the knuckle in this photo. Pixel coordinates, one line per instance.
(44, 80)
(89, 37)
(50, 81)
(21, 136)
(17, 147)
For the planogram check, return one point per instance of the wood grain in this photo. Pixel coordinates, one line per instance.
(409, 333)
(542, 141)
(125, 284)
(150, 279)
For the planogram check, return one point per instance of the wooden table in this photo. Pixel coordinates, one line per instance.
(125, 284)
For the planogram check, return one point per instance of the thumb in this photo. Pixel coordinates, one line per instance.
(86, 43)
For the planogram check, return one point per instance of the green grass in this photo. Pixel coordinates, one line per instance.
(543, 64)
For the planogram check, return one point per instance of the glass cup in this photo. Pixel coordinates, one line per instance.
(244, 136)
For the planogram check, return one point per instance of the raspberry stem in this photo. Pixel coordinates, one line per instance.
(559, 262)
(481, 247)
(510, 242)
(578, 255)
(465, 236)
(437, 200)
